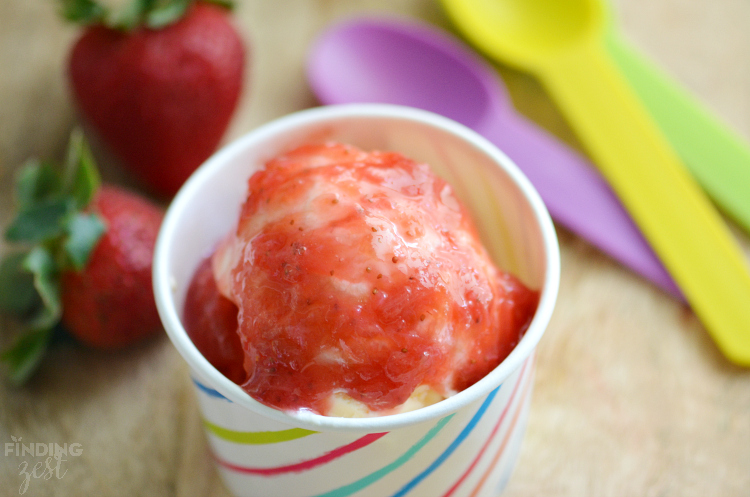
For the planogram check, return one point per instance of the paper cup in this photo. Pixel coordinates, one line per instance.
(466, 445)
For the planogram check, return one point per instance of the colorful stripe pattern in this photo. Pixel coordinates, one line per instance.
(209, 391)
(368, 480)
(256, 437)
(490, 438)
(308, 464)
(451, 448)
(477, 473)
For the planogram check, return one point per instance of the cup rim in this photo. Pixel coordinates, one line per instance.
(170, 315)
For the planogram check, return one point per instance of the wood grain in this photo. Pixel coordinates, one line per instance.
(631, 396)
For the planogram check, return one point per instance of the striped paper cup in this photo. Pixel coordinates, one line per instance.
(466, 445)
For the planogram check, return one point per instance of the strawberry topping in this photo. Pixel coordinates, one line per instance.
(360, 273)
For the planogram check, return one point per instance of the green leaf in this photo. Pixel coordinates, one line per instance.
(155, 14)
(40, 221)
(27, 351)
(17, 292)
(84, 232)
(83, 11)
(25, 354)
(41, 264)
(81, 176)
(166, 12)
(36, 181)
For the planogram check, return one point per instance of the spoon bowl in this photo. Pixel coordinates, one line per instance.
(381, 61)
(525, 33)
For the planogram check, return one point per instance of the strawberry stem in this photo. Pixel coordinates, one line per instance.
(154, 14)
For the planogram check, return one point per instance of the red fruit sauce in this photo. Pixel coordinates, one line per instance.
(211, 322)
(358, 273)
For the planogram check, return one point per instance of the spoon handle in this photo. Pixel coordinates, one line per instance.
(716, 156)
(664, 200)
(577, 196)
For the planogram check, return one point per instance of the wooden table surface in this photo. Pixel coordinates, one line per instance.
(632, 398)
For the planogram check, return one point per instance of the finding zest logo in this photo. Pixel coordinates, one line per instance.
(55, 455)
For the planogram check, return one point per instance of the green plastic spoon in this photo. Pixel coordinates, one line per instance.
(563, 43)
(716, 155)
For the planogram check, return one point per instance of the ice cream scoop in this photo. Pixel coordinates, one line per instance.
(563, 44)
(362, 285)
(397, 61)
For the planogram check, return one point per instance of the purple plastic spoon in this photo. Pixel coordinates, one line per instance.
(409, 63)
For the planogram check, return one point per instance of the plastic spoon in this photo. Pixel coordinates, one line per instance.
(716, 155)
(408, 63)
(563, 44)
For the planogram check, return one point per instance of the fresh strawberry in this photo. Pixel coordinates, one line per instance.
(159, 96)
(110, 303)
(85, 261)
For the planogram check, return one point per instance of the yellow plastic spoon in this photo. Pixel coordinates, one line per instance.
(562, 43)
